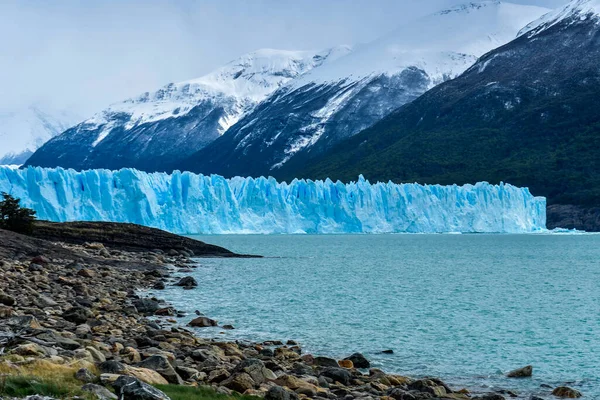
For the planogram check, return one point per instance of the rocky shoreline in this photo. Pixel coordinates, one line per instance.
(76, 305)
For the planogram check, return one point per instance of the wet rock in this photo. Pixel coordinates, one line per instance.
(203, 322)
(187, 282)
(389, 351)
(337, 375)
(85, 375)
(160, 285)
(228, 327)
(130, 388)
(428, 386)
(566, 392)
(99, 392)
(524, 372)
(146, 306)
(325, 362)
(359, 360)
(489, 397)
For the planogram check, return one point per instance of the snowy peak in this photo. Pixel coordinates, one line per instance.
(575, 11)
(443, 44)
(241, 84)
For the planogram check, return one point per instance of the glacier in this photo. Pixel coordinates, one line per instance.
(187, 203)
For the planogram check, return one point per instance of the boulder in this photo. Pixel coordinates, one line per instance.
(85, 375)
(566, 392)
(240, 382)
(279, 393)
(524, 372)
(146, 306)
(7, 300)
(337, 375)
(203, 322)
(428, 386)
(325, 362)
(99, 392)
(346, 364)
(188, 281)
(256, 369)
(161, 364)
(130, 388)
(359, 361)
(77, 315)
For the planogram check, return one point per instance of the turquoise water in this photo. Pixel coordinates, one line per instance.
(467, 308)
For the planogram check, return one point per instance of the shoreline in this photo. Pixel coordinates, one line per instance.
(79, 305)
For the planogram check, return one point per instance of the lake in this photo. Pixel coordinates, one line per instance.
(467, 308)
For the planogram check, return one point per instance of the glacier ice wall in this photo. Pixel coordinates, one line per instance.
(190, 203)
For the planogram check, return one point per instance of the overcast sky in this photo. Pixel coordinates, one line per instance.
(86, 54)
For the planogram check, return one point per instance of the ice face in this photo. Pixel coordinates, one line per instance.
(194, 204)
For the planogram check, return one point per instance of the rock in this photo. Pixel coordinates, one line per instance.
(203, 322)
(228, 327)
(130, 388)
(489, 397)
(167, 311)
(359, 361)
(111, 367)
(346, 364)
(100, 392)
(7, 300)
(24, 322)
(524, 372)
(96, 354)
(40, 260)
(337, 375)
(86, 273)
(279, 393)
(566, 392)
(131, 355)
(400, 394)
(302, 369)
(28, 349)
(146, 375)
(428, 386)
(325, 362)
(187, 373)
(240, 382)
(85, 375)
(387, 351)
(256, 369)
(146, 306)
(218, 375)
(77, 315)
(161, 364)
(188, 281)
(307, 391)
(45, 301)
(535, 398)
(160, 285)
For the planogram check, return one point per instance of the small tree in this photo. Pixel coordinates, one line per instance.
(15, 218)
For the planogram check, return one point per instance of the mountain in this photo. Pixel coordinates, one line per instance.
(525, 113)
(319, 109)
(149, 131)
(24, 130)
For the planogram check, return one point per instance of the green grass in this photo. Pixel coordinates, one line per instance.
(22, 386)
(176, 392)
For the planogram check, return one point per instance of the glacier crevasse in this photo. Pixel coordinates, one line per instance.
(198, 204)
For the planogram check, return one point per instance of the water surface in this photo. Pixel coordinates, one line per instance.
(467, 308)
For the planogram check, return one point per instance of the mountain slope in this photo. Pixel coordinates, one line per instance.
(23, 131)
(152, 129)
(331, 103)
(526, 113)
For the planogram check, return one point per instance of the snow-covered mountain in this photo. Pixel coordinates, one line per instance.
(24, 130)
(338, 100)
(148, 131)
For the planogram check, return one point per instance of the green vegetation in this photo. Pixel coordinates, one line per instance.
(177, 392)
(22, 386)
(15, 218)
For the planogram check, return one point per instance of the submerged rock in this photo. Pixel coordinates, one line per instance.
(566, 392)
(203, 322)
(524, 372)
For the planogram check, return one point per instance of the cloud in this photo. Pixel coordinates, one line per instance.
(86, 54)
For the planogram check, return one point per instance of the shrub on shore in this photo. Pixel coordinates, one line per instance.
(14, 217)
